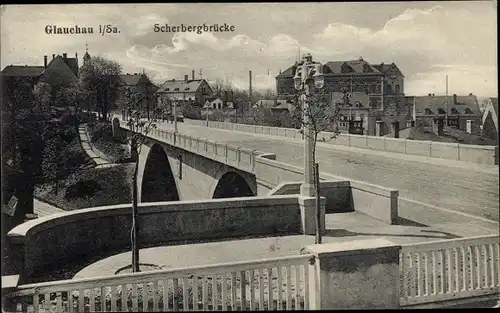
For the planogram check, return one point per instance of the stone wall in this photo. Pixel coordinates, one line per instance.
(51, 242)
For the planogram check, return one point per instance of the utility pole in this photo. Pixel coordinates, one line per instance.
(446, 102)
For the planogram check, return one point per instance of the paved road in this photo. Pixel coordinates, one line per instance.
(472, 189)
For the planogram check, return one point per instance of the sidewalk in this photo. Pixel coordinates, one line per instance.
(340, 228)
(43, 209)
(87, 146)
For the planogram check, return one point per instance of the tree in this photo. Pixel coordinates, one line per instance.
(101, 79)
(315, 113)
(139, 129)
(221, 85)
(51, 158)
(22, 120)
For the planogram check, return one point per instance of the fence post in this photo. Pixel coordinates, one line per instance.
(341, 275)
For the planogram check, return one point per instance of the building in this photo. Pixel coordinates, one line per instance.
(381, 82)
(61, 71)
(383, 85)
(224, 104)
(490, 120)
(460, 112)
(188, 91)
(141, 89)
(354, 118)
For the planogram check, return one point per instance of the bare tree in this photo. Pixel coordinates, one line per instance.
(316, 114)
(220, 85)
(139, 128)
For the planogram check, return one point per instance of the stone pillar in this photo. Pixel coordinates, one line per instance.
(379, 128)
(308, 214)
(395, 129)
(437, 126)
(362, 274)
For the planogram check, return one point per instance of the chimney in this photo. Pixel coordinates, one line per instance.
(76, 55)
(455, 98)
(186, 78)
(430, 94)
(192, 74)
(250, 86)
(470, 94)
(53, 56)
(65, 56)
(45, 61)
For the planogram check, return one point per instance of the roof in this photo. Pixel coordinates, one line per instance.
(73, 65)
(58, 73)
(494, 103)
(181, 85)
(382, 67)
(282, 105)
(434, 103)
(264, 103)
(491, 108)
(23, 70)
(356, 97)
(358, 66)
(131, 79)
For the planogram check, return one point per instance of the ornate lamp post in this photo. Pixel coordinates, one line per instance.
(307, 76)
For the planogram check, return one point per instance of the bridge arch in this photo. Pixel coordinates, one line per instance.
(232, 184)
(158, 181)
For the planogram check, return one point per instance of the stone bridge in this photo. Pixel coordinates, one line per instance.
(174, 166)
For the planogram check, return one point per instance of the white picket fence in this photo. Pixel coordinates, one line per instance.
(270, 284)
(450, 269)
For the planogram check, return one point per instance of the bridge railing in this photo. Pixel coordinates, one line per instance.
(268, 284)
(450, 269)
(236, 156)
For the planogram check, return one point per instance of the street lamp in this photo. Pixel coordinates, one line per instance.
(306, 75)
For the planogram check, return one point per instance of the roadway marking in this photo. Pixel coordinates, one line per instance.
(449, 210)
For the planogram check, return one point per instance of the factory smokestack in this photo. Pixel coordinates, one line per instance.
(250, 86)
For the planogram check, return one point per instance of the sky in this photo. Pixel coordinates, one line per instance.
(426, 40)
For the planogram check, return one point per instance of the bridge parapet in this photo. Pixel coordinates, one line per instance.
(235, 156)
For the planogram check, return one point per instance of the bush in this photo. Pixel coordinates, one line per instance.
(106, 186)
(101, 136)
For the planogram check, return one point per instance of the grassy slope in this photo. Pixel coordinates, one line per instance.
(101, 136)
(90, 188)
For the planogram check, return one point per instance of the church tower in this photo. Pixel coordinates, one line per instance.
(86, 57)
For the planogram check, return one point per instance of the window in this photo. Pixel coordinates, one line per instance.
(441, 111)
(176, 89)
(468, 111)
(378, 88)
(428, 111)
(371, 88)
(186, 89)
(397, 88)
(454, 111)
(168, 89)
(389, 88)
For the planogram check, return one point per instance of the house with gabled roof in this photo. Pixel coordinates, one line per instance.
(192, 91)
(61, 71)
(142, 91)
(458, 111)
(490, 120)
